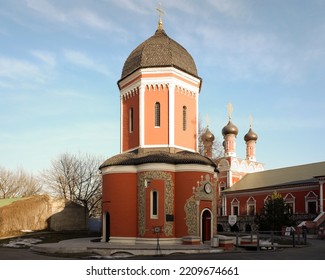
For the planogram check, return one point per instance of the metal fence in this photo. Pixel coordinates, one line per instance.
(288, 237)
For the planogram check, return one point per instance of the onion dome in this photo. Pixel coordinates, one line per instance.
(207, 136)
(230, 128)
(159, 51)
(250, 135)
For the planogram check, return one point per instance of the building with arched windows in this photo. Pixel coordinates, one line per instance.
(159, 184)
(244, 186)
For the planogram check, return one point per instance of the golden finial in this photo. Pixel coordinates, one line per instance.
(161, 14)
(207, 120)
(230, 110)
(250, 120)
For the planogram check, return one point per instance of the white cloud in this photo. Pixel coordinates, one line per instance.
(81, 59)
(234, 9)
(15, 69)
(44, 56)
(138, 7)
(72, 16)
(47, 9)
(93, 20)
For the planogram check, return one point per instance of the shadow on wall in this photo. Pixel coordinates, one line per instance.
(42, 212)
(67, 215)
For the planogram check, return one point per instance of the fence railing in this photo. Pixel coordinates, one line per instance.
(288, 237)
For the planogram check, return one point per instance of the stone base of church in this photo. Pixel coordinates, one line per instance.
(138, 240)
(246, 240)
(191, 240)
(226, 242)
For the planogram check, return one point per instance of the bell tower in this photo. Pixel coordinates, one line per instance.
(159, 91)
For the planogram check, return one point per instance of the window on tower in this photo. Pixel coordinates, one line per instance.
(131, 120)
(157, 114)
(184, 118)
(154, 204)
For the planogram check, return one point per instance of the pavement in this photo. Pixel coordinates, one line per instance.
(93, 247)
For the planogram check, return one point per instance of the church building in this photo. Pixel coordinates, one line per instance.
(159, 185)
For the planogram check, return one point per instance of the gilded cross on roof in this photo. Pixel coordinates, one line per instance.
(230, 110)
(161, 14)
(207, 120)
(250, 120)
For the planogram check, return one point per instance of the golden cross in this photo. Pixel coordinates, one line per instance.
(161, 14)
(207, 120)
(230, 110)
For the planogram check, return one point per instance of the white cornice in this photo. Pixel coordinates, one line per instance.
(157, 167)
(191, 83)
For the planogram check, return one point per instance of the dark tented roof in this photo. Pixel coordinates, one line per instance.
(159, 51)
(134, 158)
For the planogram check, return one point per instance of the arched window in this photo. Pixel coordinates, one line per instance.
(289, 199)
(157, 114)
(251, 206)
(184, 118)
(131, 120)
(154, 204)
(235, 207)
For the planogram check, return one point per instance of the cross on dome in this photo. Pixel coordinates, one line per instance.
(230, 110)
(161, 14)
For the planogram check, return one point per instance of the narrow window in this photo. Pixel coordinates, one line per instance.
(184, 118)
(251, 210)
(157, 114)
(235, 210)
(131, 120)
(154, 204)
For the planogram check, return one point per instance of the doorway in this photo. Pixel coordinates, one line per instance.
(106, 227)
(206, 225)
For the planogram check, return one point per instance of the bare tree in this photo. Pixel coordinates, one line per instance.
(76, 178)
(8, 188)
(27, 183)
(18, 183)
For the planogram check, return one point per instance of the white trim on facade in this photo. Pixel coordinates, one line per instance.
(157, 167)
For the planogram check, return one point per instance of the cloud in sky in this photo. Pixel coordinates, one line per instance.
(44, 56)
(21, 72)
(46, 9)
(234, 9)
(83, 60)
(73, 15)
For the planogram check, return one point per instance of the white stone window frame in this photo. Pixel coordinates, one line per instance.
(152, 206)
(311, 197)
(131, 120)
(235, 203)
(251, 201)
(157, 114)
(290, 199)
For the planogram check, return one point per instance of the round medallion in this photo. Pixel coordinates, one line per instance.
(208, 188)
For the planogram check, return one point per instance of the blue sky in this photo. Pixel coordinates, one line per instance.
(60, 62)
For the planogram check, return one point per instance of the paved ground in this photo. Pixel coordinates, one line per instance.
(84, 249)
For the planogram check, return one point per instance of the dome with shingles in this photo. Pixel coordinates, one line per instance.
(159, 51)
